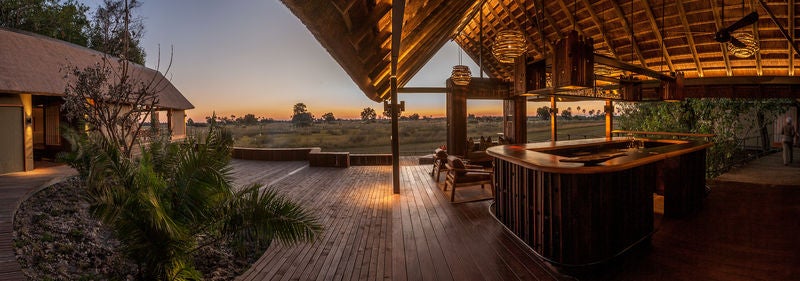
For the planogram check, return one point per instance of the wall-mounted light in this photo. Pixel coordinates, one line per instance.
(28, 120)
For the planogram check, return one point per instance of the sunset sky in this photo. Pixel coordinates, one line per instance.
(255, 56)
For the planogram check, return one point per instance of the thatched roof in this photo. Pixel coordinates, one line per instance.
(32, 64)
(662, 35)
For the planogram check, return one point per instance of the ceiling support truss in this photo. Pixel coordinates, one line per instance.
(689, 37)
(723, 49)
(657, 32)
(625, 25)
(756, 36)
(599, 25)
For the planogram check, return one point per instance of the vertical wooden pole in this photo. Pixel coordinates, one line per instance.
(553, 123)
(395, 138)
(398, 7)
(609, 109)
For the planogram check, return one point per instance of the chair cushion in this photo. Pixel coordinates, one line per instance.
(440, 153)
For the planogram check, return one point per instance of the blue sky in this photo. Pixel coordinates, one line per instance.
(255, 56)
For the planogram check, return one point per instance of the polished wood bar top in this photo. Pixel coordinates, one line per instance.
(548, 156)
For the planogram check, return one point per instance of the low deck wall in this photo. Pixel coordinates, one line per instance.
(314, 155)
(273, 154)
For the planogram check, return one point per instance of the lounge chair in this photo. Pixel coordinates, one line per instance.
(460, 174)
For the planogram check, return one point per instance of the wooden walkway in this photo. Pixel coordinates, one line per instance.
(14, 188)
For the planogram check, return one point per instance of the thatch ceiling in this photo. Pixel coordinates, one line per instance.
(668, 35)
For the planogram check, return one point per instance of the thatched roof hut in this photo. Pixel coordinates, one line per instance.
(33, 64)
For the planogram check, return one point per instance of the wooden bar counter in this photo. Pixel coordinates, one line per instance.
(574, 208)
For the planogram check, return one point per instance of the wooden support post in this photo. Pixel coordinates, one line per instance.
(609, 109)
(515, 125)
(397, 30)
(456, 119)
(553, 123)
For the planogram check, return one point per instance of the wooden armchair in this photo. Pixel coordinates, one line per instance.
(439, 163)
(460, 174)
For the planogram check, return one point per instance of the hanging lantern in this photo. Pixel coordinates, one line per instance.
(750, 45)
(461, 75)
(508, 45)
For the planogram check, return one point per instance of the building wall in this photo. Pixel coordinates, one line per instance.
(13, 139)
(177, 124)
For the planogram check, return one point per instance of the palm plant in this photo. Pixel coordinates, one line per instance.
(160, 203)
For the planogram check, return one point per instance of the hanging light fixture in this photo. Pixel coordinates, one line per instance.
(461, 74)
(508, 45)
(750, 45)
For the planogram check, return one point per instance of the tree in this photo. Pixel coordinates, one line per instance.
(414, 116)
(178, 198)
(543, 112)
(566, 114)
(115, 31)
(722, 117)
(189, 122)
(368, 114)
(299, 108)
(249, 119)
(300, 115)
(328, 117)
(100, 95)
(52, 18)
(591, 112)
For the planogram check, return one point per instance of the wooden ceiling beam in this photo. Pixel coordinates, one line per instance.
(627, 28)
(550, 46)
(759, 69)
(599, 25)
(689, 36)
(548, 18)
(427, 45)
(791, 41)
(657, 32)
(723, 49)
(570, 18)
(520, 25)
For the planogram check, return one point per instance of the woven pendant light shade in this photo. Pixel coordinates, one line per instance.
(461, 75)
(508, 45)
(751, 46)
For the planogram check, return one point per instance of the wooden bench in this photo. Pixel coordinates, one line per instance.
(329, 159)
(273, 154)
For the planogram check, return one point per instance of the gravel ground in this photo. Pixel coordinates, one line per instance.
(56, 238)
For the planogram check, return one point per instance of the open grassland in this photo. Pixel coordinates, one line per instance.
(416, 136)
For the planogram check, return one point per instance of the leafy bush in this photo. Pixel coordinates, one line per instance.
(161, 203)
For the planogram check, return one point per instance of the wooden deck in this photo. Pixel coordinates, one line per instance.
(745, 232)
(14, 188)
(372, 234)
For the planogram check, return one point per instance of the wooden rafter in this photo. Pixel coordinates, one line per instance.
(599, 25)
(548, 18)
(520, 25)
(571, 19)
(689, 36)
(539, 29)
(756, 37)
(657, 32)
(791, 42)
(723, 49)
(627, 28)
